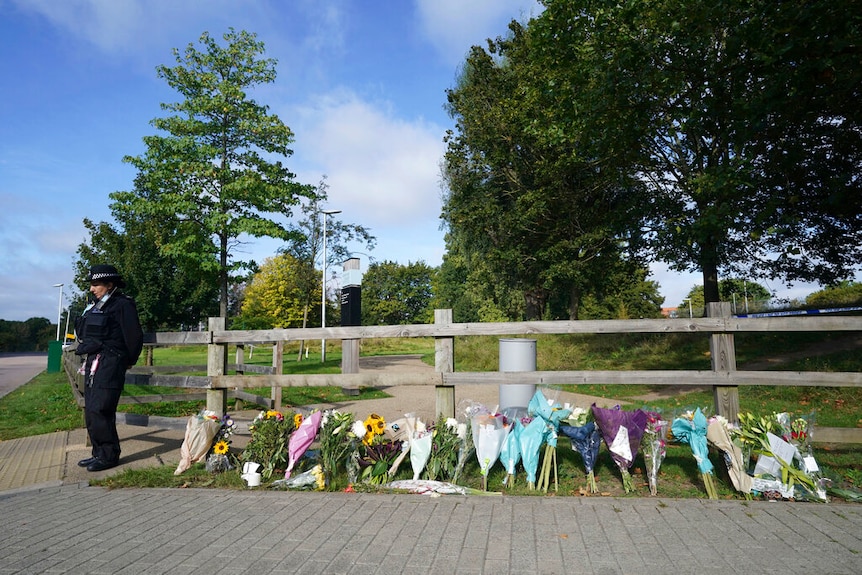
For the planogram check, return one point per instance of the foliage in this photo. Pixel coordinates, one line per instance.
(736, 116)
(394, 294)
(171, 290)
(278, 294)
(31, 335)
(844, 293)
(217, 167)
(530, 206)
(742, 292)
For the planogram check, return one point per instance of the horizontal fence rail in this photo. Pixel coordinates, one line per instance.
(724, 378)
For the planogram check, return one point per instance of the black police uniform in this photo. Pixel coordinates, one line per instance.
(110, 335)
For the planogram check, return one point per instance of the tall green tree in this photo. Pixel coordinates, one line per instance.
(528, 203)
(395, 294)
(276, 296)
(217, 165)
(740, 117)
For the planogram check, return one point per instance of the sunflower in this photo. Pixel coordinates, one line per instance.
(297, 420)
(221, 447)
(374, 426)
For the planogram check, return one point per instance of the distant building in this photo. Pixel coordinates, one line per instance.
(670, 312)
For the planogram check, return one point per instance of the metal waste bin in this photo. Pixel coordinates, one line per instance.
(55, 356)
(517, 355)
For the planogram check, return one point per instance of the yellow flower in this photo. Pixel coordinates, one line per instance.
(221, 447)
(297, 420)
(374, 425)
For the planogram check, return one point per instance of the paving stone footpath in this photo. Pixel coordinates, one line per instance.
(81, 529)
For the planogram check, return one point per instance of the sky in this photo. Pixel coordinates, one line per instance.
(361, 83)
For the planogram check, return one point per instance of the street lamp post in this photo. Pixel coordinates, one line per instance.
(59, 309)
(323, 294)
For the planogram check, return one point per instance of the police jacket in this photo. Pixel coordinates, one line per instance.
(112, 327)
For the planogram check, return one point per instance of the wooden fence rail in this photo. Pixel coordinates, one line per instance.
(720, 326)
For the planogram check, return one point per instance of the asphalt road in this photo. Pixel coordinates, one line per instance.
(16, 369)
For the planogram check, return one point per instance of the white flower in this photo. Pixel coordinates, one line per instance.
(358, 428)
(452, 423)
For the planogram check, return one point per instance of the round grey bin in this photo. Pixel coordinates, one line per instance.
(517, 355)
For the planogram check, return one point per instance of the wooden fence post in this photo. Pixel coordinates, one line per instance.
(240, 362)
(216, 365)
(723, 356)
(277, 369)
(444, 362)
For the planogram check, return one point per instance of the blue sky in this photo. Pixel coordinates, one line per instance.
(360, 82)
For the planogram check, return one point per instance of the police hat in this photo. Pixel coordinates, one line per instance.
(106, 273)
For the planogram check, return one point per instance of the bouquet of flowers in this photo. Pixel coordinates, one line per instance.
(218, 461)
(654, 447)
(377, 458)
(530, 439)
(301, 439)
(581, 429)
(764, 434)
(718, 434)
(691, 428)
(489, 432)
(201, 430)
(445, 443)
(551, 413)
(312, 480)
(270, 432)
(337, 439)
(510, 452)
(622, 432)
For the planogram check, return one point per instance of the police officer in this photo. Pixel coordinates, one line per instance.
(109, 335)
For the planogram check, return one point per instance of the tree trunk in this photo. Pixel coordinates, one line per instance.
(574, 302)
(710, 276)
(535, 303)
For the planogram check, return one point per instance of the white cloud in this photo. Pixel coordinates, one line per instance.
(453, 26)
(381, 169)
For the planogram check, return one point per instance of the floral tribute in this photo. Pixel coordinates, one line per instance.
(690, 428)
(218, 459)
(654, 447)
(622, 432)
(201, 430)
(580, 428)
(270, 433)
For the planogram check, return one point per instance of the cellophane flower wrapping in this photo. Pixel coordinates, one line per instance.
(420, 450)
(310, 480)
(691, 428)
(580, 428)
(530, 441)
(489, 432)
(201, 430)
(654, 447)
(719, 435)
(510, 453)
(466, 411)
(622, 432)
(301, 439)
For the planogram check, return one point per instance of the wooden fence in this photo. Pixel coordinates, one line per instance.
(720, 326)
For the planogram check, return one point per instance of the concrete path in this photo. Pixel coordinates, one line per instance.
(17, 369)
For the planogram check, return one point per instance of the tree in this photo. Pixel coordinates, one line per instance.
(276, 295)
(306, 245)
(847, 293)
(216, 168)
(394, 294)
(171, 290)
(523, 200)
(740, 118)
